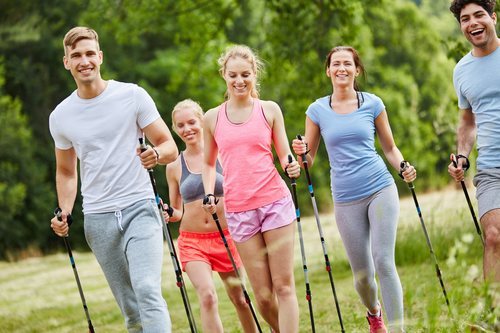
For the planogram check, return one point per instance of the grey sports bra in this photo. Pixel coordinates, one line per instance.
(191, 186)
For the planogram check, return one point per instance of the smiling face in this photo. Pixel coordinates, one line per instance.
(342, 69)
(478, 26)
(239, 76)
(84, 61)
(187, 124)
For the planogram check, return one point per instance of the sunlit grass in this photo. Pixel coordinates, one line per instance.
(40, 294)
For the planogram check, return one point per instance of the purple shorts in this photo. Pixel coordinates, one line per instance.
(243, 225)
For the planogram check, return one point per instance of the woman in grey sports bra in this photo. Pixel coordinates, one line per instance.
(201, 249)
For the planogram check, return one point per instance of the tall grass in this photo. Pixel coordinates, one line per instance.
(40, 294)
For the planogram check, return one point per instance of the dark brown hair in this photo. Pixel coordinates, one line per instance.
(457, 6)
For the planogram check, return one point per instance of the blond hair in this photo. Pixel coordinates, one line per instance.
(246, 53)
(187, 104)
(76, 34)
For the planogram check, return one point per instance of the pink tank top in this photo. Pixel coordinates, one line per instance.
(250, 177)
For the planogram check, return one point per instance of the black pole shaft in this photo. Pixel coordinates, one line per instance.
(466, 193)
(321, 236)
(233, 263)
(302, 250)
(58, 214)
(173, 254)
(429, 244)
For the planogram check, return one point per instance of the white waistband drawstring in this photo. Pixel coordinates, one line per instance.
(118, 215)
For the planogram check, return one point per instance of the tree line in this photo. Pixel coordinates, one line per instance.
(171, 49)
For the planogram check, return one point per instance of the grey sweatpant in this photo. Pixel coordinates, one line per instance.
(128, 245)
(368, 230)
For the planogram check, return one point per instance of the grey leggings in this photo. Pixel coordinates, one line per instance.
(368, 231)
(128, 245)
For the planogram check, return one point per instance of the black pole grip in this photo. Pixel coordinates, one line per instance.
(58, 214)
(143, 145)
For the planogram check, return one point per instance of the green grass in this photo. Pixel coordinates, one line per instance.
(40, 294)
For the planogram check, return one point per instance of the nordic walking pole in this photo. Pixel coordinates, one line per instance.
(302, 249)
(224, 240)
(322, 238)
(171, 247)
(69, 219)
(403, 166)
(478, 228)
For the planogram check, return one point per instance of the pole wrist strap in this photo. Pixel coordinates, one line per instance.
(467, 164)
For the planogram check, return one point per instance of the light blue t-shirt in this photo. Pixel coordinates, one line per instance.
(356, 169)
(477, 83)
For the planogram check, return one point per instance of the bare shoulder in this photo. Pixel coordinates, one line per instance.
(173, 169)
(210, 117)
(272, 111)
(212, 113)
(270, 106)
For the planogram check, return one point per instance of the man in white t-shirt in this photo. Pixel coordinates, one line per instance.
(99, 124)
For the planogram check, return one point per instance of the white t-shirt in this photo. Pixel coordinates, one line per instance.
(104, 132)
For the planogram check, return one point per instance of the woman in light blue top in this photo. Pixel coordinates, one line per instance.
(366, 198)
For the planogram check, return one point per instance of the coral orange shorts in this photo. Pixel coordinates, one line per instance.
(208, 248)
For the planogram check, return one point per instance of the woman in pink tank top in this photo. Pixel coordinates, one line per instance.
(259, 209)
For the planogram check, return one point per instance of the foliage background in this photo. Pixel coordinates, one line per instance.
(171, 47)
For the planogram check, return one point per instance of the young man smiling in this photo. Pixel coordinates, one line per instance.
(99, 124)
(477, 82)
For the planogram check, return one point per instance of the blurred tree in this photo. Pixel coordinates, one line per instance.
(171, 47)
(22, 195)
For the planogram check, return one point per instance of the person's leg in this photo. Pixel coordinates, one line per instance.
(200, 275)
(490, 223)
(144, 251)
(254, 256)
(280, 244)
(383, 213)
(235, 293)
(352, 223)
(105, 239)
(487, 183)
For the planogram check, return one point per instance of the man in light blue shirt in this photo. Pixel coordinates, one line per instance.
(477, 82)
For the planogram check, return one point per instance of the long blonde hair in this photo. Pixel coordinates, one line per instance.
(244, 52)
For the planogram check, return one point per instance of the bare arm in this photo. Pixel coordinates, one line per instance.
(466, 133)
(275, 116)
(159, 135)
(173, 172)
(466, 137)
(66, 186)
(312, 136)
(209, 156)
(389, 147)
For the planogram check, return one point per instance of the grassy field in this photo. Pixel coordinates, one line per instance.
(40, 294)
